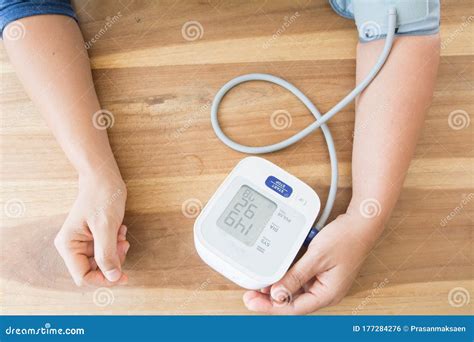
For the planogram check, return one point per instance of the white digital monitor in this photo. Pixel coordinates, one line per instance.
(253, 226)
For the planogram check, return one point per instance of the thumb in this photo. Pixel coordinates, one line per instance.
(298, 275)
(105, 251)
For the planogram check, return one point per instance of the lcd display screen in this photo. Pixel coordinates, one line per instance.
(246, 215)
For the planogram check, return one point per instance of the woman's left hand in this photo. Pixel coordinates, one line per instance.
(323, 275)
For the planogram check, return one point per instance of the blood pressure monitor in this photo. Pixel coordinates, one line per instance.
(253, 226)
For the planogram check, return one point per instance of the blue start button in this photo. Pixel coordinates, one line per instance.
(278, 186)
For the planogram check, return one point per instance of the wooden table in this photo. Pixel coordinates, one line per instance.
(158, 83)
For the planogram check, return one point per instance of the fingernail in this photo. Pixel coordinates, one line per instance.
(113, 275)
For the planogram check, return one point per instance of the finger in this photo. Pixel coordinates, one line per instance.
(78, 257)
(306, 303)
(89, 248)
(92, 263)
(122, 233)
(78, 265)
(303, 304)
(81, 247)
(71, 252)
(84, 273)
(97, 279)
(263, 301)
(122, 250)
(105, 251)
(298, 275)
(257, 301)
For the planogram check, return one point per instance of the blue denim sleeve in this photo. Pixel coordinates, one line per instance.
(11, 10)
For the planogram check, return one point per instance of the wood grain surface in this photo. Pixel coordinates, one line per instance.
(158, 83)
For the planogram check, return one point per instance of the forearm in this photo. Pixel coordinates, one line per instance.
(53, 65)
(389, 117)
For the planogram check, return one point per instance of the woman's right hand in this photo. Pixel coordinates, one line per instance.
(92, 240)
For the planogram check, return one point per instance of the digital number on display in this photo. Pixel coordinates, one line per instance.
(246, 215)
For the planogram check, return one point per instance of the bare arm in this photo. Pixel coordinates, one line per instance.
(53, 65)
(389, 118)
